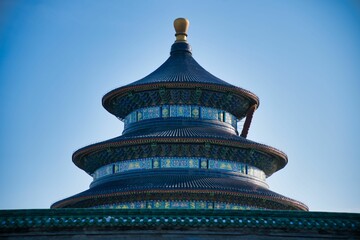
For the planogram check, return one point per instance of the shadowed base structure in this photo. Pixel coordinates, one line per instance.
(176, 224)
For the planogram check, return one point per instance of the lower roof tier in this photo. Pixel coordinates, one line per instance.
(180, 185)
(180, 140)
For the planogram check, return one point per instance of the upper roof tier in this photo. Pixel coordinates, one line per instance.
(180, 67)
(179, 72)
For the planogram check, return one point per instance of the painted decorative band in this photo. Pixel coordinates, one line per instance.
(178, 162)
(184, 111)
(153, 204)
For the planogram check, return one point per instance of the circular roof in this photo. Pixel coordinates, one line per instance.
(180, 70)
(180, 181)
(180, 67)
(266, 158)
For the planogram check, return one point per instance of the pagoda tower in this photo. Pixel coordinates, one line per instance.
(181, 147)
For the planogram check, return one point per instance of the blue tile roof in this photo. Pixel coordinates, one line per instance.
(180, 67)
(179, 180)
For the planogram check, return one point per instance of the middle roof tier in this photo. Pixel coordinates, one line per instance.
(174, 137)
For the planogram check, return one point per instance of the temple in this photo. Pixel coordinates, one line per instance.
(181, 147)
(182, 169)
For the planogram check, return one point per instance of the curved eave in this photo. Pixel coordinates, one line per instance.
(79, 154)
(123, 91)
(281, 200)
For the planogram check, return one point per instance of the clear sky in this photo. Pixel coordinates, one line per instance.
(58, 58)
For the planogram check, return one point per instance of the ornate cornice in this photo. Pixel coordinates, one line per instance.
(265, 157)
(257, 200)
(236, 223)
(123, 100)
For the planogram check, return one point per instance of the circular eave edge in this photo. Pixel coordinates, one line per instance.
(280, 199)
(79, 154)
(122, 91)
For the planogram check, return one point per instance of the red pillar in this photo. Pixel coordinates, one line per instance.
(248, 119)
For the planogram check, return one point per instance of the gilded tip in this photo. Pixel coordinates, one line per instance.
(181, 26)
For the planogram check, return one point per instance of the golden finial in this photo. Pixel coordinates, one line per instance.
(181, 26)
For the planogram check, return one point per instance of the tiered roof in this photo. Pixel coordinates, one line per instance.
(223, 164)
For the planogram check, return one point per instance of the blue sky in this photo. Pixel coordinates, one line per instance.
(58, 58)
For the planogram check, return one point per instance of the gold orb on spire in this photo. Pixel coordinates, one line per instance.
(181, 26)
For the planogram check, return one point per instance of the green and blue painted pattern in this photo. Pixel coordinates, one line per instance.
(178, 162)
(185, 111)
(177, 205)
